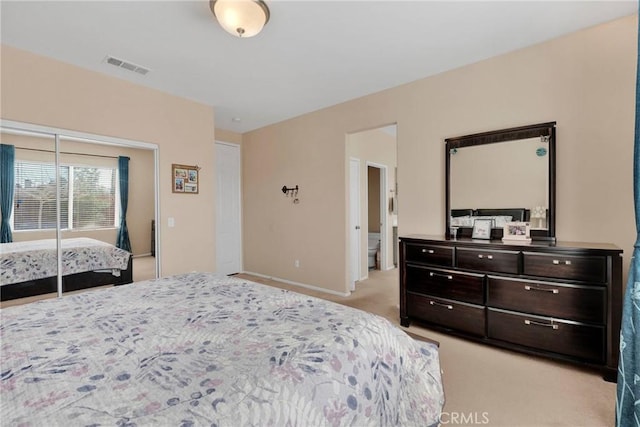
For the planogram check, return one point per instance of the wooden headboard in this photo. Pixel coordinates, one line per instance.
(461, 212)
(516, 214)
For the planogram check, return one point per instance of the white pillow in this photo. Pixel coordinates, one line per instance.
(499, 221)
(462, 221)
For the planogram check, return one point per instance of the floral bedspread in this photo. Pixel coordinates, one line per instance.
(203, 349)
(32, 260)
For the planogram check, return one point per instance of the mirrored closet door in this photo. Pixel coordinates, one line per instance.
(87, 206)
(28, 244)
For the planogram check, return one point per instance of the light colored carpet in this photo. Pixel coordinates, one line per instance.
(486, 385)
(144, 268)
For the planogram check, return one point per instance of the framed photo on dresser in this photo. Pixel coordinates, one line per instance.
(517, 231)
(482, 229)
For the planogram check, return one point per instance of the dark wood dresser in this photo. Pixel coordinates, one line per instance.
(560, 300)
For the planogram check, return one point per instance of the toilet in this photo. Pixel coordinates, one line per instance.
(374, 245)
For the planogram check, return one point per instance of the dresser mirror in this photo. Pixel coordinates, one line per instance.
(504, 175)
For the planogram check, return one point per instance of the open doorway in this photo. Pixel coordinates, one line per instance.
(372, 207)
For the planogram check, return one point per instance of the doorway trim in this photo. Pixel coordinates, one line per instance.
(355, 230)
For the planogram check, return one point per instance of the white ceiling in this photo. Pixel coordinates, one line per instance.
(311, 54)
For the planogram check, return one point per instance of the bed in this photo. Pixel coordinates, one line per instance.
(204, 349)
(30, 268)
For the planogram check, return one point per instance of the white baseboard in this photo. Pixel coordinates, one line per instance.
(302, 285)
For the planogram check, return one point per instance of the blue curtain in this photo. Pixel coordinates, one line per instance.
(7, 184)
(123, 233)
(628, 397)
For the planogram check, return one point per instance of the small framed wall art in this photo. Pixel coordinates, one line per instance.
(482, 229)
(185, 178)
(517, 232)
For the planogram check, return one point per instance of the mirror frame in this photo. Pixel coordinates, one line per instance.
(504, 135)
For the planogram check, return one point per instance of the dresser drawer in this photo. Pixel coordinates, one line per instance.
(544, 333)
(451, 314)
(429, 254)
(488, 260)
(570, 267)
(571, 302)
(460, 286)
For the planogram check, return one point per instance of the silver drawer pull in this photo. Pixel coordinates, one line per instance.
(439, 304)
(558, 262)
(529, 288)
(446, 276)
(546, 325)
(488, 256)
(431, 251)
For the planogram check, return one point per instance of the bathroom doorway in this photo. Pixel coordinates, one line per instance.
(376, 151)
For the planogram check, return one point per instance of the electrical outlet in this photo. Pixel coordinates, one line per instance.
(296, 263)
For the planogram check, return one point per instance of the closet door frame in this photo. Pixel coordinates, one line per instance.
(58, 133)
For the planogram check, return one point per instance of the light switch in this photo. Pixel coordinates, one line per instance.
(172, 222)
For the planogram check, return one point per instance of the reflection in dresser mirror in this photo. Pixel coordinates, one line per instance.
(505, 175)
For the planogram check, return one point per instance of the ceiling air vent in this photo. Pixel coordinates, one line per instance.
(126, 65)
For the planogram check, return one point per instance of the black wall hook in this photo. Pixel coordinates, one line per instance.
(293, 191)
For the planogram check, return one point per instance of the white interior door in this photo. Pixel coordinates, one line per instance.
(354, 221)
(383, 216)
(228, 209)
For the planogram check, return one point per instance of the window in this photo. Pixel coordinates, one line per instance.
(34, 200)
(87, 197)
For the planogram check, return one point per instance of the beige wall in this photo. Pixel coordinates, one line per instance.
(585, 81)
(224, 135)
(46, 92)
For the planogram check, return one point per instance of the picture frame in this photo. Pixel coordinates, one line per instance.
(517, 231)
(482, 229)
(185, 179)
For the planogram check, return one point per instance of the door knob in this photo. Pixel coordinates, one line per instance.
(357, 227)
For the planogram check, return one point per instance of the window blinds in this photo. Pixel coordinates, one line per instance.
(87, 197)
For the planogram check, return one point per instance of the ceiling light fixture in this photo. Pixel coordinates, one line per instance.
(242, 18)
